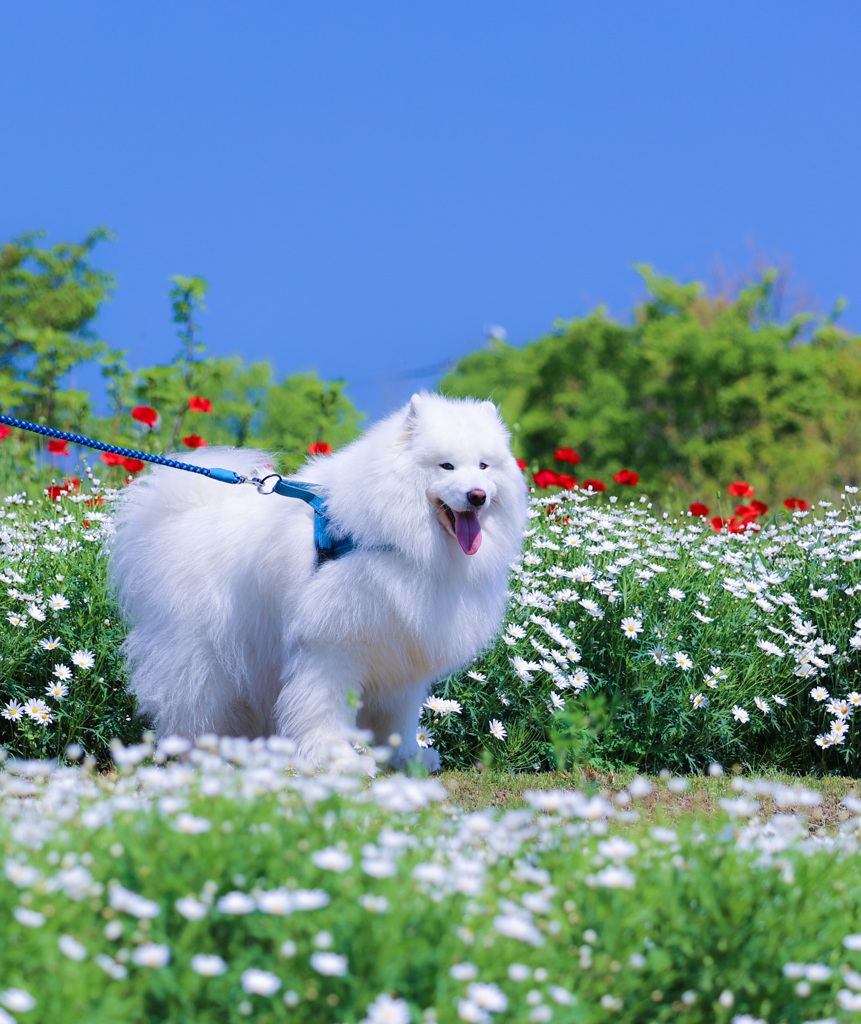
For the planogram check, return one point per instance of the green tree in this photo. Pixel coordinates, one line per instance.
(302, 410)
(48, 300)
(697, 392)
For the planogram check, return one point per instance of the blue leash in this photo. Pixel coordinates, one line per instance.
(327, 546)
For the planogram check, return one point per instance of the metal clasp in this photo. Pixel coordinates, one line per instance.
(263, 486)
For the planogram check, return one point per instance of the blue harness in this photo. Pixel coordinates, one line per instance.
(326, 545)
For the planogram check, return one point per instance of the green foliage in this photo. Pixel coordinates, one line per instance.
(49, 299)
(302, 410)
(695, 393)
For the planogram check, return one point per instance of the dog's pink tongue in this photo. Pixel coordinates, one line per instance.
(468, 531)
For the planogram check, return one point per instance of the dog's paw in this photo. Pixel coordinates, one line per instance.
(426, 757)
(347, 761)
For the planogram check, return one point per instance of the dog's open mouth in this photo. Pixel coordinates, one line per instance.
(464, 526)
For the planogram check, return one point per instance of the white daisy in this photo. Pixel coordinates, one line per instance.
(51, 644)
(86, 659)
(631, 627)
(38, 711)
(497, 729)
(579, 679)
(555, 701)
(13, 711)
(770, 648)
(58, 603)
(660, 654)
(592, 608)
(62, 672)
(57, 690)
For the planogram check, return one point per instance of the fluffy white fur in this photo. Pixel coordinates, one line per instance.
(235, 630)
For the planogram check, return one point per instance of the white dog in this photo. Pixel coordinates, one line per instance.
(239, 628)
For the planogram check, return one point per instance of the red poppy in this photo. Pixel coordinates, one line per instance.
(626, 476)
(320, 448)
(596, 485)
(194, 441)
(566, 481)
(5, 432)
(67, 487)
(759, 507)
(698, 509)
(521, 464)
(112, 459)
(566, 455)
(741, 489)
(796, 503)
(144, 414)
(718, 524)
(58, 447)
(133, 465)
(546, 478)
(197, 404)
(743, 524)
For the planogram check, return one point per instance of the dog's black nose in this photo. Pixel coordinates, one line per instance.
(476, 498)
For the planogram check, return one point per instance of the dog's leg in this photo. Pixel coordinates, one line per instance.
(396, 714)
(315, 710)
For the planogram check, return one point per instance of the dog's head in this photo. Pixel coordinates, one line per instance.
(462, 450)
(437, 476)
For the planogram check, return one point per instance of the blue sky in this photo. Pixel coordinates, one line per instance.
(366, 186)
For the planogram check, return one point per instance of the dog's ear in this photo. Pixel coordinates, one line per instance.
(411, 418)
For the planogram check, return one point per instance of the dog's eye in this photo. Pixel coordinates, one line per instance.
(446, 465)
(482, 465)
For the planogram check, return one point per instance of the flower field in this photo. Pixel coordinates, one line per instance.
(227, 887)
(631, 640)
(668, 643)
(219, 883)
